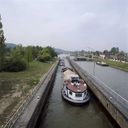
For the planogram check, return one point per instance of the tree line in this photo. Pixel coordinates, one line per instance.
(18, 58)
(114, 52)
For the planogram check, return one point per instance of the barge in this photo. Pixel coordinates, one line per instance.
(74, 89)
(102, 63)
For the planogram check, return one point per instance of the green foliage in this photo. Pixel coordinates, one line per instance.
(45, 57)
(51, 51)
(33, 82)
(19, 58)
(28, 54)
(2, 47)
(21, 82)
(114, 50)
(119, 65)
(2, 55)
(46, 54)
(35, 51)
(17, 53)
(16, 62)
(15, 65)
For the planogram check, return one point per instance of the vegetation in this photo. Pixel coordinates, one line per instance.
(119, 65)
(18, 58)
(15, 86)
(115, 54)
(113, 57)
(20, 72)
(2, 47)
(14, 66)
(46, 54)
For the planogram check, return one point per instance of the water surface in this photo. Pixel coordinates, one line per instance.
(114, 78)
(61, 114)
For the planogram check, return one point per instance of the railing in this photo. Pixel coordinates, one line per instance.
(21, 108)
(118, 101)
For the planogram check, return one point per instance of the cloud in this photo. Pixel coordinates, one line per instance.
(70, 24)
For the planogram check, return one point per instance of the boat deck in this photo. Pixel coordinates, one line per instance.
(75, 87)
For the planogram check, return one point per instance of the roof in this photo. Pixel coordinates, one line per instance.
(76, 88)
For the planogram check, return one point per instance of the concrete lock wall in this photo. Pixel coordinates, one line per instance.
(28, 116)
(119, 115)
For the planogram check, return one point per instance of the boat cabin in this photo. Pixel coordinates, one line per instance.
(75, 88)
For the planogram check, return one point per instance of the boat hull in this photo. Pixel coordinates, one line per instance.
(76, 102)
(102, 64)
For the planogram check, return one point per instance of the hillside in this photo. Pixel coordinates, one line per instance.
(61, 51)
(10, 45)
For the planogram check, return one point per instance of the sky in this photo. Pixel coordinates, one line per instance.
(66, 24)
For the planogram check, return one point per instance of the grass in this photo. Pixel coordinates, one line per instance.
(8, 110)
(15, 86)
(6, 87)
(118, 65)
(115, 64)
(35, 69)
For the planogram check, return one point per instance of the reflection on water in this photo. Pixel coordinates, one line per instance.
(61, 114)
(114, 78)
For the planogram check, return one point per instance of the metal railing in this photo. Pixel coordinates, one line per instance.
(117, 100)
(24, 104)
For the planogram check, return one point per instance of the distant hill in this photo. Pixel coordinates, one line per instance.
(61, 51)
(10, 45)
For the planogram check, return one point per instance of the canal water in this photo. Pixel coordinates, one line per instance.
(114, 78)
(61, 114)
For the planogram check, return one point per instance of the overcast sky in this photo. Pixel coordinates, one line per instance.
(66, 24)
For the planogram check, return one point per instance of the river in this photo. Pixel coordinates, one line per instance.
(114, 78)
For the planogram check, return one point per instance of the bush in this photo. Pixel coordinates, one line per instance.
(41, 59)
(15, 65)
(44, 58)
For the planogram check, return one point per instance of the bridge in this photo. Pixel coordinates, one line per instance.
(83, 58)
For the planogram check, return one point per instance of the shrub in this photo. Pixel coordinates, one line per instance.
(41, 59)
(15, 65)
(45, 57)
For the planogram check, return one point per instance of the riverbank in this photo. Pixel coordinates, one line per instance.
(115, 64)
(118, 65)
(15, 87)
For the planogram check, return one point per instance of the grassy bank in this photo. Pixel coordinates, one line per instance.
(118, 65)
(14, 87)
(115, 64)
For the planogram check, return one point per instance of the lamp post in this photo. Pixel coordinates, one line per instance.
(94, 67)
(93, 61)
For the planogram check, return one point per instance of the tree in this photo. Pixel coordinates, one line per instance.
(16, 61)
(121, 56)
(51, 51)
(2, 47)
(17, 53)
(46, 54)
(97, 53)
(36, 50)
(114, 50)
(28, 55)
